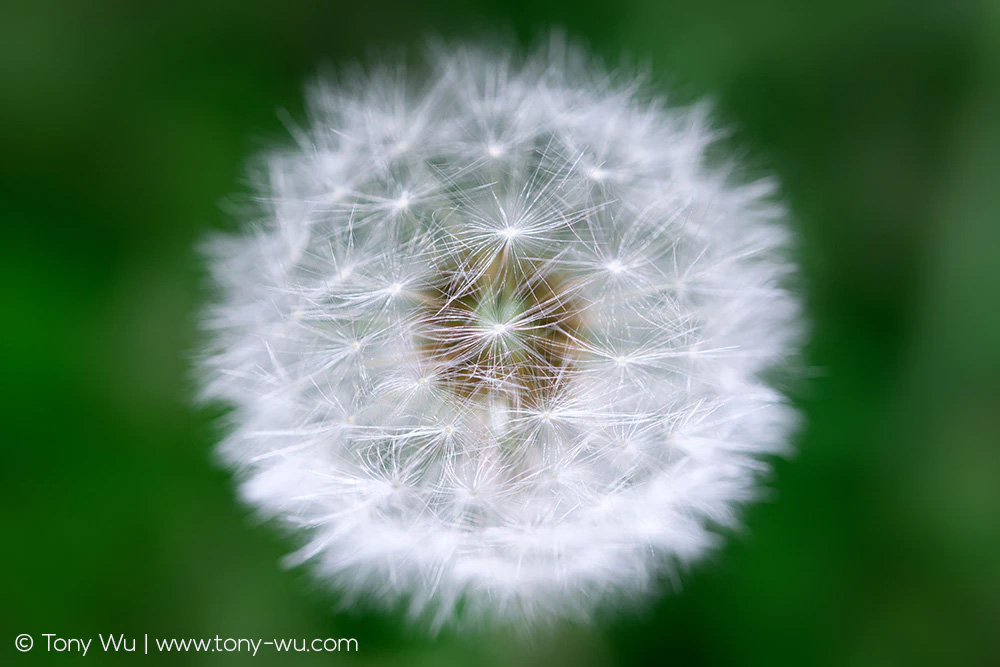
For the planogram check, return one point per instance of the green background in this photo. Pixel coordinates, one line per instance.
(125, 125)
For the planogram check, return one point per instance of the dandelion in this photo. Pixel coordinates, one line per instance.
(497, 348)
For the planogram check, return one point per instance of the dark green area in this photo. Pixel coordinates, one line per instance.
(123, 126)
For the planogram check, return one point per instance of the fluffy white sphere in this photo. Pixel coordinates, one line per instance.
(497, 346)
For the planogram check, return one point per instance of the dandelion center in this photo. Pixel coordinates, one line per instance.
(500, 328)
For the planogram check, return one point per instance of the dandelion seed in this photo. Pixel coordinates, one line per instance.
(570, 396)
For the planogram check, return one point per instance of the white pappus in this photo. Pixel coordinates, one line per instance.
(497, 345)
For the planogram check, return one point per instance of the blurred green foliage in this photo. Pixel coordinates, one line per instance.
(124, 125)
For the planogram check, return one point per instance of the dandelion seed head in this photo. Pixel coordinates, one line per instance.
(498, 345)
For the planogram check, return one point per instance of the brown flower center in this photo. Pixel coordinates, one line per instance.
(500, 325)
